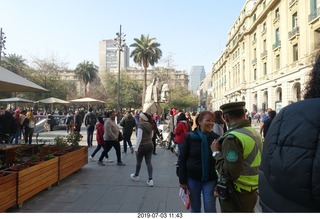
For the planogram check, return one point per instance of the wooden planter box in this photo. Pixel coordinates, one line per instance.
(8, 190)
(72, 161)
(36, 178)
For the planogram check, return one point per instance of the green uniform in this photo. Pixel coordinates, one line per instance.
(239, 162)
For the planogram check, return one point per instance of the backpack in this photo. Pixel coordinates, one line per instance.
(91, 119)
(32, 124)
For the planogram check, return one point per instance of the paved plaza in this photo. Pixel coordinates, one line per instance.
(109, 189)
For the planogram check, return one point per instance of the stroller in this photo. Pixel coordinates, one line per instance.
(163, 139)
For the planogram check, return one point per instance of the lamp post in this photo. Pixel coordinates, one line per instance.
(2, 44)
(120, 44)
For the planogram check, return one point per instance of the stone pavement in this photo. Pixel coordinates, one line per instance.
(109, 189)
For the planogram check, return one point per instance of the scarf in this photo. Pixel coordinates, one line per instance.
(204, 152)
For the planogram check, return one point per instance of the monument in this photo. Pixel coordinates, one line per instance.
(154, 96)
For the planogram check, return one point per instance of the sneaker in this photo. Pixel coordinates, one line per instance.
(131, 150)
(134, 177)
(108, 160)
(100, 163)
(150, 182)
(120, 164)
(91, 159)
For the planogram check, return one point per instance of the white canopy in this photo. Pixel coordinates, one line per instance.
(52, 100)
(87, 100)
(16, 99)
(11, 82)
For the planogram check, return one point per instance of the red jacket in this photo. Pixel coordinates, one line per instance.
(99, 133)
(181, 131)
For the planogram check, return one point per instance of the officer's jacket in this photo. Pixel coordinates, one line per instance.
(289, 179)
(241, 156)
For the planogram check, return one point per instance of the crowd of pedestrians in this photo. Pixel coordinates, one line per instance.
(221, 157)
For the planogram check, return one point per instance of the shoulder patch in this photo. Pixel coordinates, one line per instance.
(232, 156)
(230, 136)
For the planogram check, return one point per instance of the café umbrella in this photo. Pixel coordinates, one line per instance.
(87, 100)
(52, 100)
(11, 82)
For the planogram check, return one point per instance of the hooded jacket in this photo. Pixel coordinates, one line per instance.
(99, 133)
(289, 178)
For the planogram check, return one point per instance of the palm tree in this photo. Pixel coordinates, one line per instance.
(146, 53)
(15, 63)
(86, 72)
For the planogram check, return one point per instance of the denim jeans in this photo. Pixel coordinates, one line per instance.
(90, 130)
(206, 188)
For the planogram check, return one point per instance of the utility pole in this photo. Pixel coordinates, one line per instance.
(120, 43)
(2, 44)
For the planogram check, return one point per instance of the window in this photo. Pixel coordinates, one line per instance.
(277, 13)
(254, 17)
(255, 74)
(254, 37)
(295, 52)
(277, 35)
(278, 61)
(264, 27)
(294, 20)
(264, 69)
(264, 45)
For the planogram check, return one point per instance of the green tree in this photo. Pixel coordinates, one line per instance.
(181, 97)
(146, 52)
(130, 91)
(15, 63)
(86, 72)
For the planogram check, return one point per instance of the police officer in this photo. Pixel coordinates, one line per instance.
(238, 156)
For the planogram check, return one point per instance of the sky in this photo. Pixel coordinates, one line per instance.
(190, 32)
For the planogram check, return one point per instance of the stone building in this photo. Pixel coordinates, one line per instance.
(269, 52)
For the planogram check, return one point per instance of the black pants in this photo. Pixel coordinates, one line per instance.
(108, 146)
(90, 130)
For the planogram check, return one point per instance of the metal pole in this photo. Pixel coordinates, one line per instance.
(119, 48)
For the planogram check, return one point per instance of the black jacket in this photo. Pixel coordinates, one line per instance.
(289, 178)
(190, 163)
(128, 123)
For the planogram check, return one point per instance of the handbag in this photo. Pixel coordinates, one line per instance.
(120, 136)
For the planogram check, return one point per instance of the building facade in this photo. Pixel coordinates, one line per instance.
(165, 75)
(109, 57)
(270, 51)
(197, 74)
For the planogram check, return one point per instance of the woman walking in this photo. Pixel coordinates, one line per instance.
(144, 147)
(111, 133)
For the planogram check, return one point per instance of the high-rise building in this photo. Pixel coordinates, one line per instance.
(109, 57)
(197, 74)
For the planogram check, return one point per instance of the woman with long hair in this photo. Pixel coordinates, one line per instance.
(29, 124)
(197, 166)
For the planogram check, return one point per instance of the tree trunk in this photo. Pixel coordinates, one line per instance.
(144, 85)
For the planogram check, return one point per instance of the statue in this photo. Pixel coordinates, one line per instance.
(152, 92)
(154, 97)
(164, 93)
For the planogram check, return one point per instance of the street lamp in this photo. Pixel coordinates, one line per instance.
(120, 44)
(2, 43)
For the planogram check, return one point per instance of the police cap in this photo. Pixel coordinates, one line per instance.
(232, 106)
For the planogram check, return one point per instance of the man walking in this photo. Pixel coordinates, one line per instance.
(90, 121)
